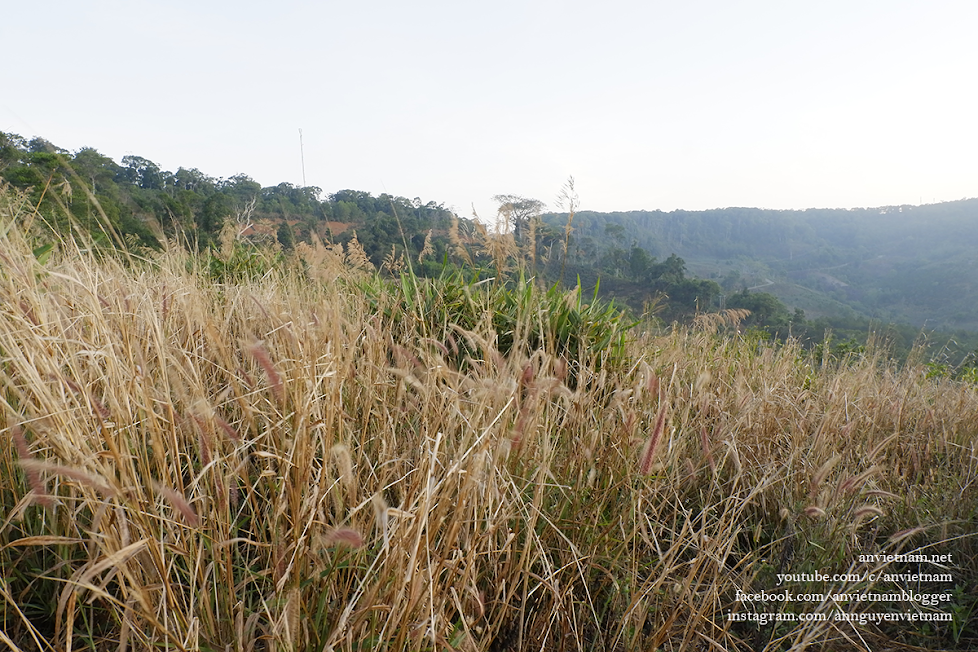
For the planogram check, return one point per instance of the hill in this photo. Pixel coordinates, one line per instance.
(912, 264)
(802, 273)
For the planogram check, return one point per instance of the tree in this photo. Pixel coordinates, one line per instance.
(285, 236)
(142, 172)
(97, 169)
(210, 218)
(241, 187)
(517, 211)
(12, 148)
(616, 231)
(193, 180)
(639, 262)
(766, 310)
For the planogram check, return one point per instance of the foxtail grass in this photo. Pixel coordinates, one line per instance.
(320, 459)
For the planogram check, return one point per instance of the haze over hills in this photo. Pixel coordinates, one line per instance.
(913, 264)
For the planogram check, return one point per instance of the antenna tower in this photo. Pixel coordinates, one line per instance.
(302, 157)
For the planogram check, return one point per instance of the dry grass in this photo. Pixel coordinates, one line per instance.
(264, 466)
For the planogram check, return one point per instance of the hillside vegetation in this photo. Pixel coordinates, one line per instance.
(848, 275)
(262, 449)
(147, 205)
(895, 264)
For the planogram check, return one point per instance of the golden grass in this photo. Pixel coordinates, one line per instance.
(264, 466)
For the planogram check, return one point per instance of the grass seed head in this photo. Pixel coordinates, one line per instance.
(179, 503)
(79, 476)
(258, 352)
(707, 448)
(867, 510)
(345, 537)
(27, 458)
(653, 441)
(814, 512)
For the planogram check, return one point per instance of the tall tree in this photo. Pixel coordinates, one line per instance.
(142, 172)
(517, 211)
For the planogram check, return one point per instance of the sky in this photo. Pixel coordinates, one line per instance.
(649, 105)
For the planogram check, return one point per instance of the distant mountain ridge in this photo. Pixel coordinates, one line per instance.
(914, 264)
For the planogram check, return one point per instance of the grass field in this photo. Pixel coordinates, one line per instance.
(311, 457)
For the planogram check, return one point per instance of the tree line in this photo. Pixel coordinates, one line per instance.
(146, 204)
(143, 204)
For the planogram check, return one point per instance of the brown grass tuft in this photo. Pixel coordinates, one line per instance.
(79, 476)
(707, 448)
(815, 512)
(455, 541)
(645, 466)
(179, 503)
(258, 352)
(345, 537)
(27, 462)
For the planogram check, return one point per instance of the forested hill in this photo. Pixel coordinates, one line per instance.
(833, 270)
(146, 203)
(913, 264)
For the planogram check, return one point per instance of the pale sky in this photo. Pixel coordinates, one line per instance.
(690, 104)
